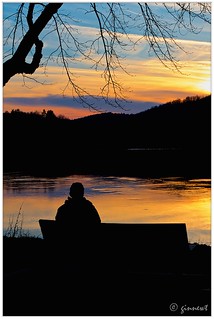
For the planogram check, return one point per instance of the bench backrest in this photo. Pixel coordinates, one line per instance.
(149, 247)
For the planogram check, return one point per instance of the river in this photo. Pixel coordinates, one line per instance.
(117, 199)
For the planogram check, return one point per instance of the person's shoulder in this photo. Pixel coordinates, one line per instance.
(66, 203)
(60, 208)
(88, 202)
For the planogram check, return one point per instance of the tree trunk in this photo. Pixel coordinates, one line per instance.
(17, 63)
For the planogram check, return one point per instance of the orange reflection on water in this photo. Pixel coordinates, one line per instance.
(142, 206)
(125, 200)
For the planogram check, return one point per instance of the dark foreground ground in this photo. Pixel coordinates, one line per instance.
(40, 283)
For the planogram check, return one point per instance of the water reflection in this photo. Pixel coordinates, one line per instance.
(118, 199)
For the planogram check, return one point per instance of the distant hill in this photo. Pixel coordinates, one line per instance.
(175, 124)
(38, 141)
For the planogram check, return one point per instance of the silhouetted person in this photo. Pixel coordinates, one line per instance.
(77, 210)
(78, 226)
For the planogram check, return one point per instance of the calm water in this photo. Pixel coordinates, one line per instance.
(117, 199)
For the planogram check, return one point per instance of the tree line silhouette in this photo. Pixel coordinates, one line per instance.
(170, 139)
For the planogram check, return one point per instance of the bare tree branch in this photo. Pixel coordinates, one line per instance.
(17, 63)
(107, 50)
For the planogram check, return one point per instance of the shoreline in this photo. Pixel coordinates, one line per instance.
(21, 249)
(37, 283)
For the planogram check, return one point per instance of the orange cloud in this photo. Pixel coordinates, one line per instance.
(149, 80)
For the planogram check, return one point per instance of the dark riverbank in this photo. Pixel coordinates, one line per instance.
(173, 139)
(155, 163)
(35, 284)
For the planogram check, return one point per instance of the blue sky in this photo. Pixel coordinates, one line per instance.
(148, 84)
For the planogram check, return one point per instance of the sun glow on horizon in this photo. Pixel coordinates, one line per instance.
(205, 86)
(148, 81)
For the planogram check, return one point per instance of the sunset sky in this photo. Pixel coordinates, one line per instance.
(148, 83)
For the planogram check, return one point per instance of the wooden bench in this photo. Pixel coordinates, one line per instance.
(130, 247)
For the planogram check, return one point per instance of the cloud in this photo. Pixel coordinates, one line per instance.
(185, 51)
(57, 101)
(150, 82)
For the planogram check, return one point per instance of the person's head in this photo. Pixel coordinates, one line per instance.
(77, 190)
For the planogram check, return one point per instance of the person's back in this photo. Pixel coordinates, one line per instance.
(77, 221)
(77, 211)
